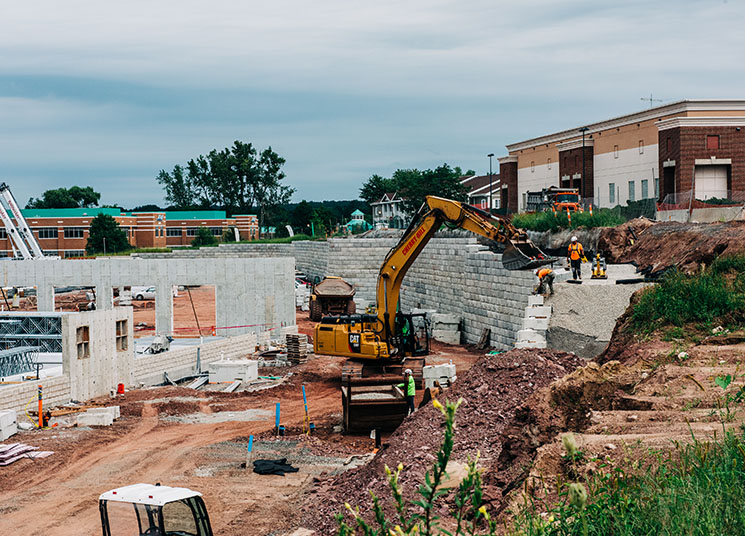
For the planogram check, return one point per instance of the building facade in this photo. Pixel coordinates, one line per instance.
(479, 188)
(665, 152)
(388, 212)
(65, 231)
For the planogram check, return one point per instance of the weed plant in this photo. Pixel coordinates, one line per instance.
(418, 516)
(550, 221)
(696, 489)
(714, 294)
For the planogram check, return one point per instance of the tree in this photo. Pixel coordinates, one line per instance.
(74, 197)
(106, 235)
(237, 179)
(374, 188)
(204, 237)
(413, 185)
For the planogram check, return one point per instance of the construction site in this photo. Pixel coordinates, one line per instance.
(220, 371)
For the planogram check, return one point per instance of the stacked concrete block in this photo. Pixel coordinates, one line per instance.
(101, 416)
(8, 424)
(535, 324)
(442, 374)
(245, 370)
(446, 328)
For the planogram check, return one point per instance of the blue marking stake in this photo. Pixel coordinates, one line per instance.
(276, 418)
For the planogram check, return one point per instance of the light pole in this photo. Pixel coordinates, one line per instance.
(582, 179)
(104, 246)
(491, 204)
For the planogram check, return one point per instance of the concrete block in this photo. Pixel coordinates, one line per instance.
(227, 371)
(446, 336)
(100, 418)
(8, 430)
(535, 300)
(530, 335)
(112, 410)
(8, 417)
(443, 318)
(538, 324)
(526, 344)
(541, 311)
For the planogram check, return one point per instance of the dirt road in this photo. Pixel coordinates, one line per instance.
(194, 439)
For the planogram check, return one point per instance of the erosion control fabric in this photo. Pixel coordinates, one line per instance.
(273, 467)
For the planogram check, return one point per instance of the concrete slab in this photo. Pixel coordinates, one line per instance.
(521, 345)
(100, 418)
(8, 417)
(446, 336)
(245, 370)
(538, 324)
(535, 301)
(112, 410)
(538, 311)
(530, 335)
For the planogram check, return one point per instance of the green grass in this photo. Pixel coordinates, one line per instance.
(697, 489)
(714, 295)
(548, 221)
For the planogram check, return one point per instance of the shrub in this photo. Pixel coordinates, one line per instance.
(698, 488)
(715, 293)
(550, 221)
(204, 237)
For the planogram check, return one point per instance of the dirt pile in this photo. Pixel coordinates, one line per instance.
(491, 391)
(685, 245)
(614, 242)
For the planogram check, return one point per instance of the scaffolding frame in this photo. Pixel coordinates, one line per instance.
(18, 360)
(42, 331)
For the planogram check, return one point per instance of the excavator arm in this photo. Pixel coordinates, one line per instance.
(519, 253)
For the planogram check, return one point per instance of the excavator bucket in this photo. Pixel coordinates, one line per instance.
(523, 255)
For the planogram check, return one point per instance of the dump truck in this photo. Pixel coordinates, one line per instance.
(332, 296)
(380, 345)
(556, 199)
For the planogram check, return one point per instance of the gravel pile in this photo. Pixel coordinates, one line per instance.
(491, 391)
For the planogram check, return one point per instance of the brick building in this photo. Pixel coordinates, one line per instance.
(64, 231)
(689, 145)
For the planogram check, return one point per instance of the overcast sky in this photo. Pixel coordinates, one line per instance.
(107, 94)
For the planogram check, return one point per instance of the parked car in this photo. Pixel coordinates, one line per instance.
(143, 293)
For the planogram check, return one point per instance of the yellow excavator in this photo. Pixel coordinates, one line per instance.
(380, 342)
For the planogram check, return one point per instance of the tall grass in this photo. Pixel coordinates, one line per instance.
(550, 221)
(716, 293)
(697, 488)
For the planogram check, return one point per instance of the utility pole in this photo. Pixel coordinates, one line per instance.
(491, 203)
(582, 178)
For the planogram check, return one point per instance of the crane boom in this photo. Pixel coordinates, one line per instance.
(23, 229)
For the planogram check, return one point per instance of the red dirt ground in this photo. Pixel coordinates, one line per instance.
(57, 496)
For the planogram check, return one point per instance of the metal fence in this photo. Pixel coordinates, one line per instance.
(687, 200)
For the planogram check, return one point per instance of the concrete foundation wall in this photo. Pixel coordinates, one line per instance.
(248, 291)
(104, 366)
(701, 215)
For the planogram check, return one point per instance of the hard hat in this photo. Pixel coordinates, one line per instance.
(574, 239)
(407, 371)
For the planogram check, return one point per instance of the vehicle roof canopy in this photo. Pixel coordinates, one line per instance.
(148, 494)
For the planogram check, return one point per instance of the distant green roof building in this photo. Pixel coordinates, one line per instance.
(69, 212)
(195, 215)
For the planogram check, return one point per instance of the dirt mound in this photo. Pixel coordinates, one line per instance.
(685, 245)
(491, 391)
(614, 242)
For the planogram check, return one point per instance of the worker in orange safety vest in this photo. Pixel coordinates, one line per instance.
(545, 281)
(575, 253)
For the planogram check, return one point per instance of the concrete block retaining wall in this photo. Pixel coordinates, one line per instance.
(56, 391)
(452, 275)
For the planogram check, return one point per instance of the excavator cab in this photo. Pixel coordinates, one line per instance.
(412, 334)
(148, 510)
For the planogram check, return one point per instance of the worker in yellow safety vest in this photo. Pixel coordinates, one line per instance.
(575, 252)
(410, 387)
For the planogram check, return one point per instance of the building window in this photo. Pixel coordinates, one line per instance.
(657, 187)
(615, 151)
(74, 232)
(632, 191)
(216, 231)
(641, 146)
(669, 145)
(173, 231)
(576, 160)
(549, 163)
(712, 142)
(122, 334)
(72, 253)
(83, 342)
(612, 193)
(47, 232)
(3, 233)
(566, 162)
(191, 231)
(51, 252)
(645, 188)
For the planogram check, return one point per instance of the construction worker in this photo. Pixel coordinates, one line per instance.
(575, 252)
(410, 389)
(545, 281)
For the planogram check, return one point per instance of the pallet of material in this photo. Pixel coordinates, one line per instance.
(297, 348)
(12, 452)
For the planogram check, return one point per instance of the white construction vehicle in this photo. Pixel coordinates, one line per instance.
(153, 510)
(20, 234)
